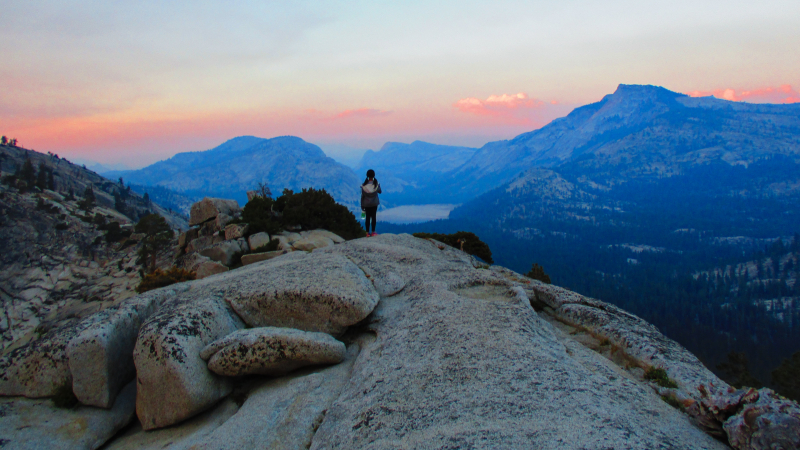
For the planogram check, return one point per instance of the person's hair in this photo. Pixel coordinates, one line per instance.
(370, 174)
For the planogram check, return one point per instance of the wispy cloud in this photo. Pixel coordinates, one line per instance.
(781, 94)
(361, 112)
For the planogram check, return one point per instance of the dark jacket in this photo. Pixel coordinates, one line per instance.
(369, 194)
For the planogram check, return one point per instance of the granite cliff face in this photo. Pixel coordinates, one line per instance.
(436, 350)
(238, 165)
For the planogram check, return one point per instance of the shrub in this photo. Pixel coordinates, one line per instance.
(537, 273)
(258, 214)
(463, 240)
(672, 401)
(660, 377)
(308, 210)
(114, 233)
(312, 209)
(159, 278)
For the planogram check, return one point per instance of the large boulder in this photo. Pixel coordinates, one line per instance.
(257, 240)
(311, 242)
(283, 242)
(101, 355)
(768, 423)
(200, 243)
(174, 383)
(209, 208)
(222, 220)
(328, 234)
(187, 236)
(208, 268)
(41, 367)
(748, 418)
(224, 252)
(324, 293)
(39, 424)
(235, 231)
(90, 356)
(271, 351)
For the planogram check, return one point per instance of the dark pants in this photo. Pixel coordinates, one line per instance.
(371, 211)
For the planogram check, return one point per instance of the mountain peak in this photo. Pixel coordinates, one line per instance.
(628, 89)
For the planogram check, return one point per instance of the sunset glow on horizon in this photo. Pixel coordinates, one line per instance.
(136, 83)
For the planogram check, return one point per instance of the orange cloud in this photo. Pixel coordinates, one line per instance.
(782, 94)
(361, 112)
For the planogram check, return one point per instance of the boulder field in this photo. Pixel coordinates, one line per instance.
(386, 342)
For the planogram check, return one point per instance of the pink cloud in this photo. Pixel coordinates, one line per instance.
(513, 108)
(781, 94)
(497, 105)
(361, 112)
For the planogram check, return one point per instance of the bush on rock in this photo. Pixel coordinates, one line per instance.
(537, 273)
(309, 210)
(463, 240)
(259, 215)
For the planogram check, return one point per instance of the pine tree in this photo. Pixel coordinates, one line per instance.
(786, 377)
(537, 273)
(157, 235)
(89, 199)
(119, 204)
(41, 178)
(736, 371)
(28, 174)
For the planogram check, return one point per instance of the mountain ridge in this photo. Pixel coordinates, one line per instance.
(239, 164)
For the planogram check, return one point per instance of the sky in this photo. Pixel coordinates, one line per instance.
(136, 82)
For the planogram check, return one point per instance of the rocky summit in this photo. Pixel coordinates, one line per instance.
(388, 342)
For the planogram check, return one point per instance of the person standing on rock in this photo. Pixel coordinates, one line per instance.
(369, 201)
